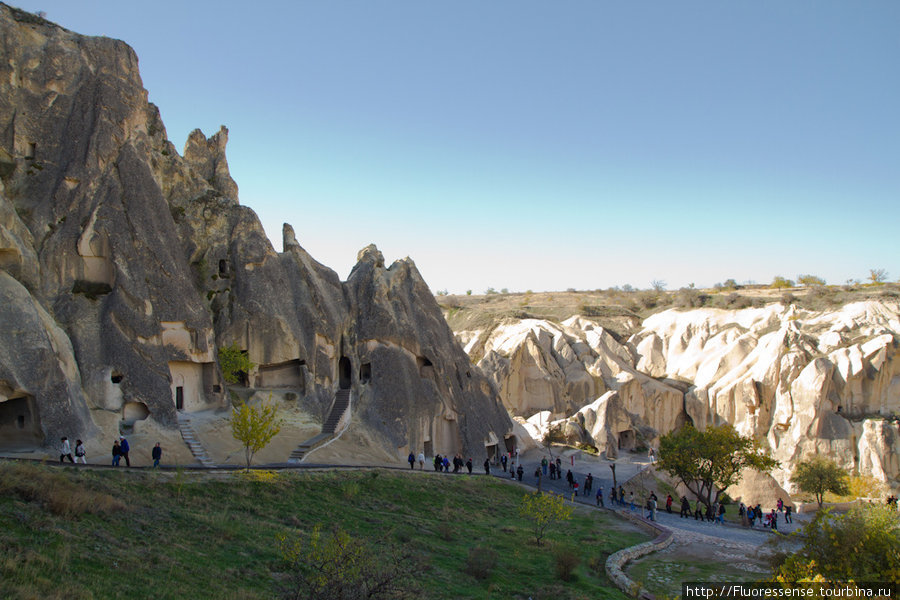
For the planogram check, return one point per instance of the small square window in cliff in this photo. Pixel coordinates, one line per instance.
(32, 150)
(223, 268)
(365, 373)
(425, 366)
(116, 377)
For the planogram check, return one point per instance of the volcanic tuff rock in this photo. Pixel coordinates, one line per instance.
(801, 382)
(124, 267)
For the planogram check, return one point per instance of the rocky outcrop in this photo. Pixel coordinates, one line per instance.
(802, 382)
(125, 266)
(582, 378)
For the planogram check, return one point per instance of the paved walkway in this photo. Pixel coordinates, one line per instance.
(686, 531)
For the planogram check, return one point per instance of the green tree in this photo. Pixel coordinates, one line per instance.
(254, 427)
(819, 475)
(339, 567)
(780, 283)
(861, 545)
(544, 510)
(810, 280)
(234, 361)
(709, 461)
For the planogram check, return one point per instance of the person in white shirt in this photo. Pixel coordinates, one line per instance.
(65, 450)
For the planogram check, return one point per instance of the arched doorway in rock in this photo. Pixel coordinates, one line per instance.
(344, 373)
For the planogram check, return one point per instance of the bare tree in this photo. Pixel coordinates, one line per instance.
(658, 285)
(877, 276)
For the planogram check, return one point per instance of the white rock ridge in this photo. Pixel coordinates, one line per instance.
(802, 382)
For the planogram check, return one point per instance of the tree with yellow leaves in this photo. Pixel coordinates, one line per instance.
(543, 510)
(254, 427)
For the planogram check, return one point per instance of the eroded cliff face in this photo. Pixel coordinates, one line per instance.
(802, 382)
(124, 266)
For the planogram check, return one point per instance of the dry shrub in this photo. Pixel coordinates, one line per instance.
(565, 561)
(597, 564)
(55, 491)
(446, 531)
(481, 562)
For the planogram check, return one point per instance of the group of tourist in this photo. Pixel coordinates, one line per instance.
(65, 451)
(121, 449)
(554, 467)
(442, 463)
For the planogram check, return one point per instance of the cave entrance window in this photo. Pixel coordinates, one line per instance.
(491, 452)
(425, 366)
(116, 377)
(365, 373)
(217, 389)
(429, 448)
(344, 373)
(223, 268)
(20, 426)
(32, 150)
(179, 398)
(510, 444)
(626, 440)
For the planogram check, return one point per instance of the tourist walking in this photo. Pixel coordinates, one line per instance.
(520, 471)
(685, 508)
(787, 514)
(487, 466)
(79, 452)
(437, 462)
(116, 453)
(669, 503)
(469, 465)
(588, 484)
(124, 448)
(421, 459)
(411, 459)
(65, 451)
(600, 497)
(156, 454)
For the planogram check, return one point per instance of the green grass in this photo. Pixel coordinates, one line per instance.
(663, 575)
(92, 534)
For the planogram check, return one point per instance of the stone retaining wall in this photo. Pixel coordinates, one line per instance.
(615, 564)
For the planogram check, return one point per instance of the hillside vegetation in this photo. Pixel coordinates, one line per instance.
(91, 534)
(622, 311)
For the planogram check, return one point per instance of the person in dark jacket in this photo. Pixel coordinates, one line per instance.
(487, 466)
(156, 454)
(116, 453)
(469, 465)
(411, 459)
(124, 448)
(520, 472)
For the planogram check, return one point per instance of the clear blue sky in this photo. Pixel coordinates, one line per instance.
(538, 145)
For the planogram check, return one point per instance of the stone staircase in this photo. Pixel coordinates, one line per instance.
(340, 406)
(192, 441)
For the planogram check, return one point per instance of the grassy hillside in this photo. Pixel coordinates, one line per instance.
(84, 534)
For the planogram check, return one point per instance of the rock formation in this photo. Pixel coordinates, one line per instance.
(124, 267)
(802, 382)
